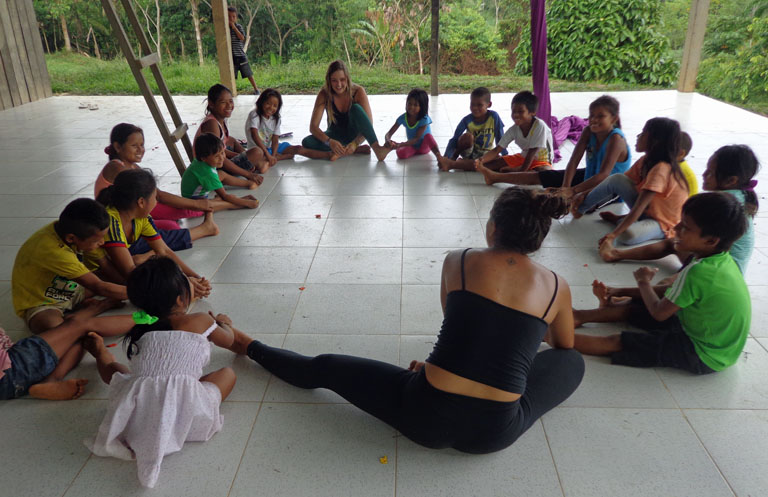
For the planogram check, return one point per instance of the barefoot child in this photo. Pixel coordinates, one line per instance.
(530, 133)
(129, 202)
(475, 134)
(416, 122)
(730, 169)
(53, 271)
(200, 178)
(125, 151)
(163, 400)
(239, 162)
(654, 188)
(35, 365)
(702, 321)
(262, 130)
(607, 152)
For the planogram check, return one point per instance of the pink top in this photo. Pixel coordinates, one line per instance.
(5, 344)
(102, 182)
(223, 131)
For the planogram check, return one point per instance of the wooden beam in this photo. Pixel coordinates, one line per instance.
(11, 59)
(223, 45)
(34, 44)
(435, 50)
(694, 40)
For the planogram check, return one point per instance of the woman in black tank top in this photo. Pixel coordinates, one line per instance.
(485, 383)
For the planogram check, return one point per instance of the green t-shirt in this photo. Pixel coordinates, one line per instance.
(715, 308)
(199, 179)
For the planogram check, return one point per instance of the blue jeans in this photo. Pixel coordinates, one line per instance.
(644, 229)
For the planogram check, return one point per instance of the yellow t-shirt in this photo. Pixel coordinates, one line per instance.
(690, 178)
(115, 237)
(44, 269)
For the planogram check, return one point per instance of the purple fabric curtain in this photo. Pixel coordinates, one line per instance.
(539, 65)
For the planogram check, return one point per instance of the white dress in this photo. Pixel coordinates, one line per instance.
(161, 404)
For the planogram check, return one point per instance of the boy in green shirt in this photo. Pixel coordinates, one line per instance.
(701, 322)
(201, 177)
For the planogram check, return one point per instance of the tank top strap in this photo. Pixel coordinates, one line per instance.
(552, 300)
(210, 329)
(463, 254)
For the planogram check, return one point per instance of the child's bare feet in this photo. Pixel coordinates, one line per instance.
(252, 185)
(608, 252)
(444, 163)
(209, 226)
(575, 204)
(381, 152)
(333, 157)
(363, 150)
(600, 290)
(611, 217)
(93, 307)
(491, 177)
(105, 360)
(59, 390)
(578, 320)
(262, 166)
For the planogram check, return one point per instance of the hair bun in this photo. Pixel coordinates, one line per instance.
(109, 149)
(552, 205)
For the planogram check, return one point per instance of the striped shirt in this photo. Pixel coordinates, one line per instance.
(237, 45)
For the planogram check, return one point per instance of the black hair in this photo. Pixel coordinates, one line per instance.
(207, 144)
(608, 103)
(83, 218)
(717, 214)
(663, 145)
(214, 92)
(481, 92)
(129, 186)
(528, 99)
(120, 134)
(686, 143)
(422, 99)
(266, 95)
(154, 287)
(232, 9)
(522, 218)
(739, 161)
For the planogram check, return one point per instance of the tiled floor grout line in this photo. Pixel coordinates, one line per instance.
(552, 456)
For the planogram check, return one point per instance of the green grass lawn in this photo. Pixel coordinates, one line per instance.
(74, 74)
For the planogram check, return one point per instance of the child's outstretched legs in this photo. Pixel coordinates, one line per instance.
(597, 345)
(105, 361)
(207, 228)
(230, 180)
(519, 178)
(652, 251)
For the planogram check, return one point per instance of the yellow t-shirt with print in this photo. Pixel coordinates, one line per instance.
(115, 237)
(690, 178)
(45, 268)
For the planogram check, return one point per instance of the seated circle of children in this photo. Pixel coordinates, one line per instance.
(416, 122)
(54, 269)
(200, 178)
(475, 135)
(731, 169)
(163, 400)
(128, 202)
(125, 151)
(701, 322)
(654, 188)
(530, 133)
(262, 131)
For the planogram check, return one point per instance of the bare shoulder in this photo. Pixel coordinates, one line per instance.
(322, 98)
(209, 126)
(196, 322)
(357, 91)
(112, 169)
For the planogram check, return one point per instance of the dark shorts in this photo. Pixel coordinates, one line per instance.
(32, 360)
(242, 66)
(175, 239)
(242, 162)
(553, 178)
(664, 345)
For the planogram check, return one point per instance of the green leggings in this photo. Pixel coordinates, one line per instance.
(359, 124)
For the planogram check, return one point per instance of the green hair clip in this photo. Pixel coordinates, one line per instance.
(141, 317)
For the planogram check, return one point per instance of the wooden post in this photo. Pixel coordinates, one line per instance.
(223, 45)
(435, 50)
(694, 39)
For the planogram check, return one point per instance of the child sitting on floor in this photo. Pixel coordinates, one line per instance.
(53, 270)
(125, 151)
(730, 169)
(164, 400)
(530, 133)
(702, 321)
(416, 122)
(200, 178)
(262, 130)
(36, 365)
(690, 177)
(654, 188)
(475, 134)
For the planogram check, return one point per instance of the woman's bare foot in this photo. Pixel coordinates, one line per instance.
(611, 217)
(608, 252)
(59, 390)
(491, 177)
(600, 290)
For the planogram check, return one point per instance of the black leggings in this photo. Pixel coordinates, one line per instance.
(430, 417)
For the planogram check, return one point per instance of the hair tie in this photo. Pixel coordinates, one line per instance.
(141, 317)
(751, 185)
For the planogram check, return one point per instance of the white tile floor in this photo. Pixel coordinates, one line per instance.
(370, 267)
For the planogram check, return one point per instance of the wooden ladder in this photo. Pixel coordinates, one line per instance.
(152, 61)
